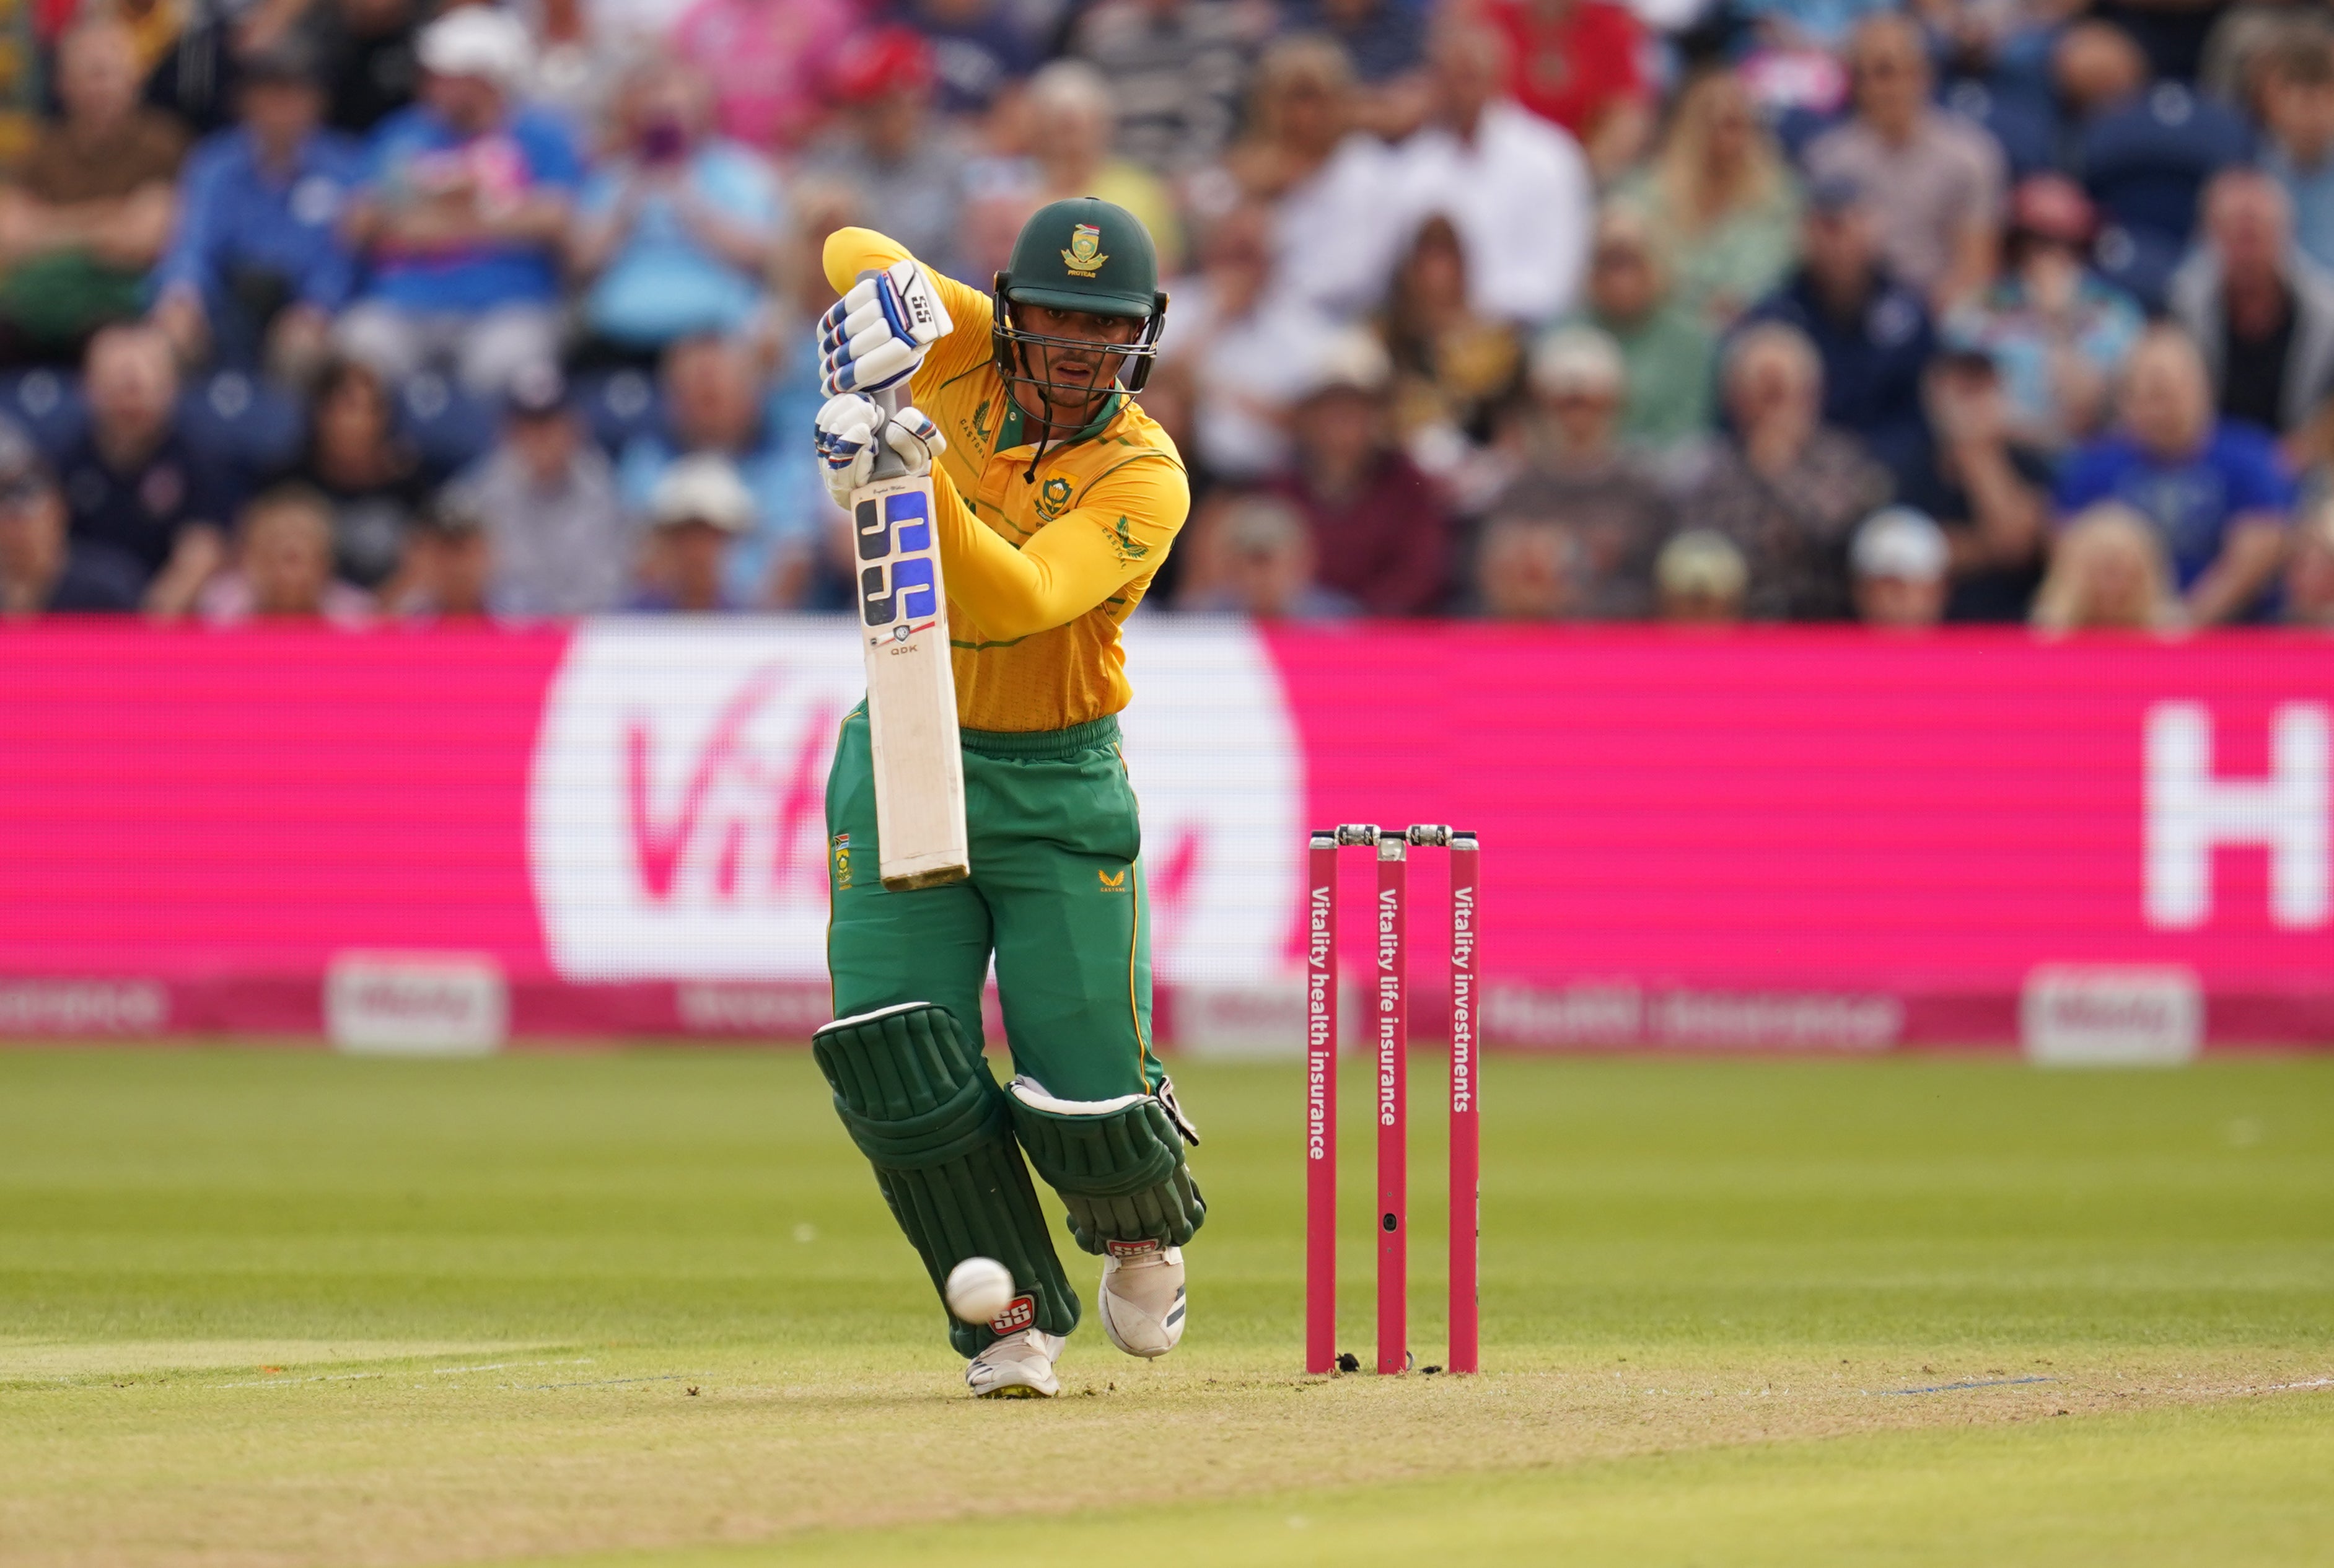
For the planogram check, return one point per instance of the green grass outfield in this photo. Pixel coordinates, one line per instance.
(274, 1307)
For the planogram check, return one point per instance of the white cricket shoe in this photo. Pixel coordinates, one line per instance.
(1020, 1366)
(1141, 1296)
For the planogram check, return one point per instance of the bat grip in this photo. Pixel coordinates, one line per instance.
(889, 465)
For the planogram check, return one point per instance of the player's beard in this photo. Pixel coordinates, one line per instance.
(1067, 407)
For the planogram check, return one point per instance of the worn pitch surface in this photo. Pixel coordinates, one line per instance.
(267, 1307)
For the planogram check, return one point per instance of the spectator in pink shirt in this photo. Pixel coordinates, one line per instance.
(765, 59)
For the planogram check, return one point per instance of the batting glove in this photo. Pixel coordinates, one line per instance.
(876, 335)
(846, 442)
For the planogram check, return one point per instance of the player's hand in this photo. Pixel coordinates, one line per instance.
(876, 335)
(846, 440)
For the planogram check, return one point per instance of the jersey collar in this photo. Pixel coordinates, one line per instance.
(1010, 433)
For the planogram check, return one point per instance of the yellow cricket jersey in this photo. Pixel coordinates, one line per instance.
(1042, 563)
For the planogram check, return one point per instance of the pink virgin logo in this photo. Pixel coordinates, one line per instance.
(728, 784)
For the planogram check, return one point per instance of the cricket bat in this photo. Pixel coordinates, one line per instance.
(919, 831)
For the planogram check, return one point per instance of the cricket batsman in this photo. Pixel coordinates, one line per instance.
(1056, 498)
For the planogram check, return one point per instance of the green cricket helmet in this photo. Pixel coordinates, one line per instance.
(1080, 254)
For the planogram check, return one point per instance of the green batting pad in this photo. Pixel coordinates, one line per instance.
(921, 1106)
(1118, 1165)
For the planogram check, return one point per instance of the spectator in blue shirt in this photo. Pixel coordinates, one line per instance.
(2214, 490)
(2056, 331)
(2143, 150)
(259, 268)
(1872, 333)
(468, 200)
(680, 229)
(133, 483)
(42, 570)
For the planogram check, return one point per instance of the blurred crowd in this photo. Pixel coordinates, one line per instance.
(1703, 311)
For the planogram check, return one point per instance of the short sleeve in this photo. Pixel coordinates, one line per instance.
(2258, 481)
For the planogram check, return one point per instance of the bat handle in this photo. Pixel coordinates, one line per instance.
(889, 465)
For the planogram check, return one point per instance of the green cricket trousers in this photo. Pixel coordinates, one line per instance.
(1056, 894)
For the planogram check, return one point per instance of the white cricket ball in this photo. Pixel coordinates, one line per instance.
(978, 1289)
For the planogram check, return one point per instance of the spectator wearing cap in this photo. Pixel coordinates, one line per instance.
(2262, 313)
(1700, 579)
(714, 407)
(2108, 572)
(1514, 186)
(1990, 495)
(375, 483)
(88, 210)
(134, 482)
(1174, 69)
(678, 228)
(282, 567)
(43, 571)
(1786, 488)
(2056, 331)
(258, 268)
(1601, 508)
(1872, 331)
(2143, 152)
(368, 54)
(548, 498)
(1580, 64)
(1935, 182)
(1668, 353)
(1720, 202)
(1262, 563)
(1902, 567)
(698, 512)
(1380, 525)
(1069, 130)
(884, 153)
(2298, 140)
(2309, 589)
(2216, 492)
(462, 218)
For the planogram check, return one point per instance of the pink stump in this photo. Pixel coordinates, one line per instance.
(1321, 1105)
(1394, 1156)
(1466, 1127)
